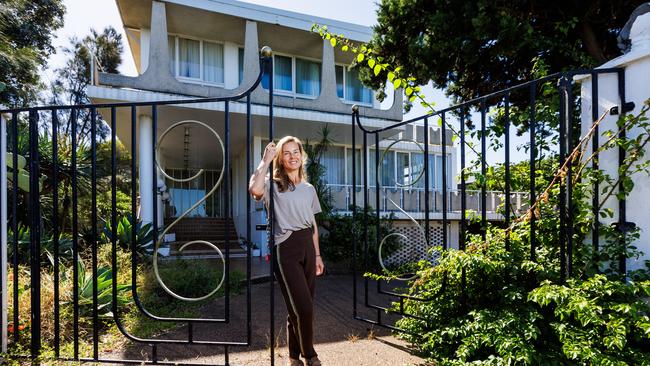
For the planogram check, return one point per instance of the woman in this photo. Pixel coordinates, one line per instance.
(297, 254)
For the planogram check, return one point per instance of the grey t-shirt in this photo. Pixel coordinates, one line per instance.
(294, 209)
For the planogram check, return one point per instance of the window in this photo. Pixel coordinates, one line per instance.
(213, 62)
(307, 77)
(189, 61)
(283, 78)
(292, 75)
(339, 82)
(403, 168)
(386, 169)
(349, 87)
(357, 166)
(417, 165)
(241, 65)
(196, 60)
(172, 54)
(334, 162)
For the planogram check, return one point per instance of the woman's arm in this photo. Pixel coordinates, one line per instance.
(320, 266)
(256, 183)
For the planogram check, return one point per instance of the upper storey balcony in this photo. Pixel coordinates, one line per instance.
(210, 48)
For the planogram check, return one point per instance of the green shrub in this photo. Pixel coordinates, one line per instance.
(337, 245)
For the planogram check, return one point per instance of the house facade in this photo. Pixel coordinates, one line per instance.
(210, 48)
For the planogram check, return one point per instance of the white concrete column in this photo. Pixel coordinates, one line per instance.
(146, 166)
(636, 62)
(145, 39)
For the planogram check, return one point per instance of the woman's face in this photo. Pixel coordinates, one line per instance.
(291, 156)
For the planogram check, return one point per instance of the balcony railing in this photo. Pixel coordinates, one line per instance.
(412, 200)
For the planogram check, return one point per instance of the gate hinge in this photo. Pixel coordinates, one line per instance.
(627, 107)
(624, 227)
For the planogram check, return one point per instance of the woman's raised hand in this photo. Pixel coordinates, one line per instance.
(269, 153)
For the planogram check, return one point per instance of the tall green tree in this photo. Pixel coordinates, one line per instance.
(471, 48)
(104, 49)
(26, 28)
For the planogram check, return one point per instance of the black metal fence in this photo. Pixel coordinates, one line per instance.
(537, 134)
(454, 120)
(48, 167)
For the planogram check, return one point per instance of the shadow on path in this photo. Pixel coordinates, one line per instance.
(339, 339)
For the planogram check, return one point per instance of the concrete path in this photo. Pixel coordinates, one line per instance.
(340, 340)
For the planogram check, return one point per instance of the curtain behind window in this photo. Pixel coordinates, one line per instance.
(334, 162)
(386, 169)
(171, 41)
(307, 77)
(357, 166)
(403, 169)
(438, 171)
(212, 62)
(189, 58)
(339, 81)
(282, 80)
(241, 64)
(354, 90)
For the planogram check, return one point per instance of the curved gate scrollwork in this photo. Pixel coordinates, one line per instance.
(401, 277)
(160, 238)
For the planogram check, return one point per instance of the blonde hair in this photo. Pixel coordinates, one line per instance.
(280, 176)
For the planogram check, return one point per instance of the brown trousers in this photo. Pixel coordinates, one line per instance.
(295, 270)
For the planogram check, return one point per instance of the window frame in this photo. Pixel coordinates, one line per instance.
(345, 97)
(200, 80)
(293, 93)
(433, 176)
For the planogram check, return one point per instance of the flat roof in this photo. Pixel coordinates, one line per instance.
(284, 18)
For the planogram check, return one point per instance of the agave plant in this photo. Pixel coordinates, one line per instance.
(144, 236)
(46, 245)
(104, 291)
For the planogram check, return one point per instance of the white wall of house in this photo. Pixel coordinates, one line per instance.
(145, 37)
(637, 89)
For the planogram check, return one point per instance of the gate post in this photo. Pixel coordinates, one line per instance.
(34, 235)
(3, 227)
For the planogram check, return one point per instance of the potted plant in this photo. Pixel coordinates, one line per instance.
(255, 250)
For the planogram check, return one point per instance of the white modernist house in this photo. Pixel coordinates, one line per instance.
(210, 48)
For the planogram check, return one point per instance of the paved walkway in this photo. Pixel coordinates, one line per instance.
(340, 340)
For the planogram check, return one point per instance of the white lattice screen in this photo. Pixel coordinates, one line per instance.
(414, 247)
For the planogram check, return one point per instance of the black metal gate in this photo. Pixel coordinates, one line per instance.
(47, 168)
(386, 303)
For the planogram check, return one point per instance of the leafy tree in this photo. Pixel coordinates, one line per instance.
(471, 48)
(26, 28)
(73, 78)
(316, 171)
